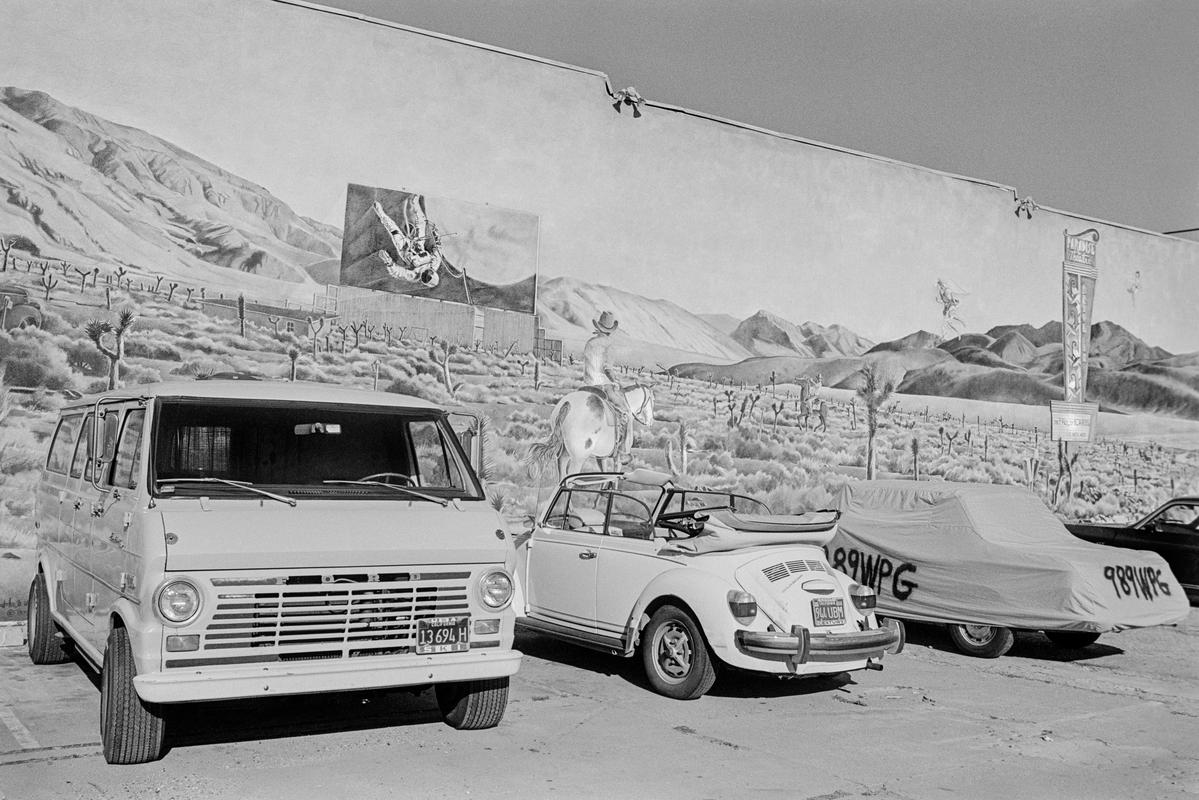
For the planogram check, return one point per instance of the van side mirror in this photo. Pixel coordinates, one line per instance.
(112, 428)
(468, 428)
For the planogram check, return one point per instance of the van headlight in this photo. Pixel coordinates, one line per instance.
(495, 589)
(178, 601)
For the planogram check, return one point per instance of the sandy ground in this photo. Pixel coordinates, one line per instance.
(1117, 720)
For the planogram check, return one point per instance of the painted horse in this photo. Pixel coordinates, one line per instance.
(584, 425)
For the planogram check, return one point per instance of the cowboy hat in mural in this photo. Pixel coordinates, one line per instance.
(606, 324)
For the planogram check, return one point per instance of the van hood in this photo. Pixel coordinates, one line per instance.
(237, 534)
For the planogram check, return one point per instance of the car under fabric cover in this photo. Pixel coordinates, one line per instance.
(993, 555)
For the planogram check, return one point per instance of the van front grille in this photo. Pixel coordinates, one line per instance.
(303, 618)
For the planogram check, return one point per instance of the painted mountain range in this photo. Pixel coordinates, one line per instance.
(91, 191)
(1009, 363)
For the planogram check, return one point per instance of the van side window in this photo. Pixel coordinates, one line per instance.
(83, 450)
(129, 451)
(64, 441)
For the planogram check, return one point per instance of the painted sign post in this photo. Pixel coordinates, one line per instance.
(1074, 419)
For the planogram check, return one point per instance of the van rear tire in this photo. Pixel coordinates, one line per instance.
(131, 730)
(45, 639)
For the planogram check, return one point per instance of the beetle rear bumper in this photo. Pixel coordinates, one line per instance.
(803, 646)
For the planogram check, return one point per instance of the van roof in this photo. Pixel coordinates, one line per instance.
(297, 391)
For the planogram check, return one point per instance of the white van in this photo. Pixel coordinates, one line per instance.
(227, 539)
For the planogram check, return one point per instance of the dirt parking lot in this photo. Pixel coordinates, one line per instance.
(1119, 719)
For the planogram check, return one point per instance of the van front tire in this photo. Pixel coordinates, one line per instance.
(473, 705)
(132, 731)
(45, 640)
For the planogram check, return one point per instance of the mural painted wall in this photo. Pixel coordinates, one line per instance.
(186, 152)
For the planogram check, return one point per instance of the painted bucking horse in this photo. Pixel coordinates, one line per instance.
(585, 425)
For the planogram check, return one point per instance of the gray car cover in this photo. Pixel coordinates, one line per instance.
(996, 555)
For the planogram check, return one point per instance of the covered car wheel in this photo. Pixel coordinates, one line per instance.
(132, 731)
(982, 641)
(46, 645)
(675, 655)
(473, 705)
(1072, 640)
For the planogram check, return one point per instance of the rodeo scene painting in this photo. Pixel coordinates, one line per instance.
(389, 406)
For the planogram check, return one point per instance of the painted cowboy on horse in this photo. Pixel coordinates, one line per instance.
(597, 374)
(595, 421)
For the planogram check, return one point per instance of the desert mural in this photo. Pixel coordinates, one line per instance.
(127, 259)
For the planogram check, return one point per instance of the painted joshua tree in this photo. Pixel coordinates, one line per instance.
(873, 393)
(97, 330)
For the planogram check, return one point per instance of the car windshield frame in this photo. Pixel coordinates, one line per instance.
(670, 492)
(163, 484)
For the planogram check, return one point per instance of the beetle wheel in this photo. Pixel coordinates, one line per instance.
(675, 655)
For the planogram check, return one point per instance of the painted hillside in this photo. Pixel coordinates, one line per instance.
(84, 189)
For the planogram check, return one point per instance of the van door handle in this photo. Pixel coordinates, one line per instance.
(586, 554)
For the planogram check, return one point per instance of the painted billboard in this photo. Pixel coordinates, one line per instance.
(399, 241)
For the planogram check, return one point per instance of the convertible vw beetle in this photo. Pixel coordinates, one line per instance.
(694, 578)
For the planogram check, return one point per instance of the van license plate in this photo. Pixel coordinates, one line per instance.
(828, 612)
(442, 635)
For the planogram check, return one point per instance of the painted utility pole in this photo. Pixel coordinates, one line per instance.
(1073, 419)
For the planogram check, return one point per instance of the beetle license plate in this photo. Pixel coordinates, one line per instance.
(828, 612)
(442, 635)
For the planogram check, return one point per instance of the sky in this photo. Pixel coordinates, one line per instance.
(1089, 107)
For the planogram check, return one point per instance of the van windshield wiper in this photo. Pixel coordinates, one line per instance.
(411, 492)
(236, 484)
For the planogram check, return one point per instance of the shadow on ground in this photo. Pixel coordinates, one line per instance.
(1029, 644)
(729, 682)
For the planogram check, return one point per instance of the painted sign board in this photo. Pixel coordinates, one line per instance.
(1073, 422)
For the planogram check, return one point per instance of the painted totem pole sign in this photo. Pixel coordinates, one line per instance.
(1074, 419)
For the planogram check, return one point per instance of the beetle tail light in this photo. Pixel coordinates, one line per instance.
(743, 606)
(864, 598)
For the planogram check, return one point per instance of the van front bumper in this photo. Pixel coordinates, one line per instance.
(225, 682)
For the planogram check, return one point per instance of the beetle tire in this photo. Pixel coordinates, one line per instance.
(131, 730)
(982, 641)
(473, 705)
(45, 640)
(1072, 640)
(675, 655)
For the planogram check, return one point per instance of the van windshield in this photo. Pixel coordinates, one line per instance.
(307, 450)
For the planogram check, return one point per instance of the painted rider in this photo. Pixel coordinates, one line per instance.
(597, 373)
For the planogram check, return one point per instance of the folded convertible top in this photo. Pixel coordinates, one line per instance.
(726, 530)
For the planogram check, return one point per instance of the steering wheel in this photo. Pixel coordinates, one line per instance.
(679, 524)
(407, 480)
(566, 521)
